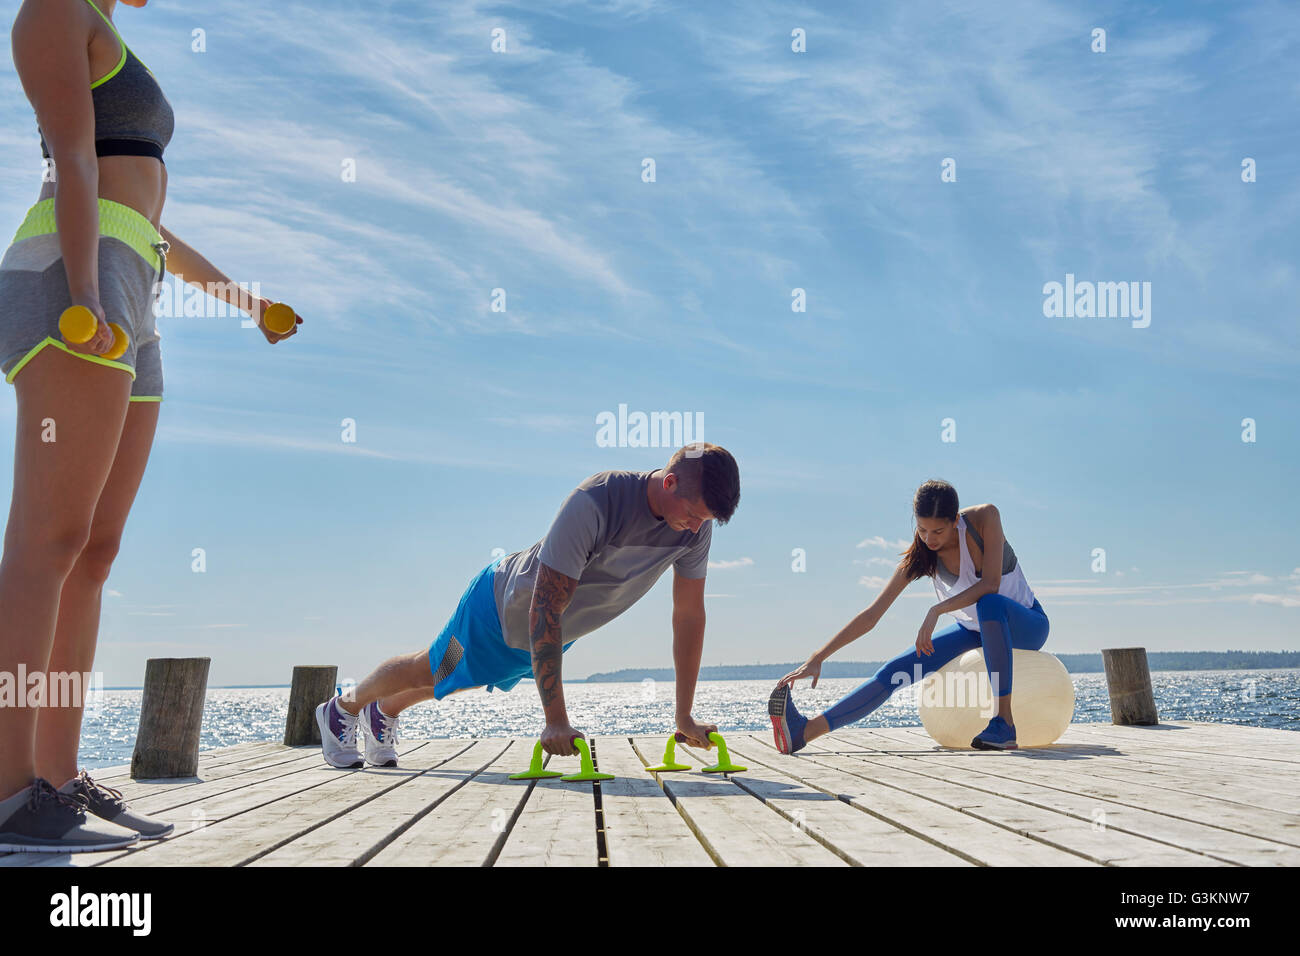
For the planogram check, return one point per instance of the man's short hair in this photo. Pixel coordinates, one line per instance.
(708, 473)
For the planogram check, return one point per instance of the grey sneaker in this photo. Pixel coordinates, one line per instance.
(107, 804)
(380, 733)
(338, 736)
(40, 819)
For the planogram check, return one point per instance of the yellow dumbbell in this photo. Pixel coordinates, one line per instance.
(279, 318)
(78, 325)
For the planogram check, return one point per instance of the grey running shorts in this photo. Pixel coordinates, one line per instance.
(34, 292)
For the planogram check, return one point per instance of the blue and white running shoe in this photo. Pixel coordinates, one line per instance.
(787, 723)
(998, 735)
(380, 732)
(338, 735)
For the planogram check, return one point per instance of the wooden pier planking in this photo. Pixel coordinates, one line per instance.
(1181, 794)
(1104, 832)
(861, 839)
(556, 827)
(1055, 768)
(975, 840)
(210, 758)
(1258, 789)
(234, 833)
(467, 828)
(230, 776)
(355, 838)
(736, 829)
(641, 827)
(1269, 838)
(1213, 749)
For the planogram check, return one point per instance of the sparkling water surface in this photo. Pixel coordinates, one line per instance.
(232, 715)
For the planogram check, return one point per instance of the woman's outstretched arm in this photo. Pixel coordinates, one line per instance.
(851, 631)
(189, 264)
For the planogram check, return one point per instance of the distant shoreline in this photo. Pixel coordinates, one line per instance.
(1074, 663)
(1090, 663)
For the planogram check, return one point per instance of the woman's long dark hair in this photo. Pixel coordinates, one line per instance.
(934, 499)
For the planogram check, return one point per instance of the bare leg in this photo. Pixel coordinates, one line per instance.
(816, 727)
(57, 484)
(395, 676)
(394, 704)
(1004, 710)
(58, 729)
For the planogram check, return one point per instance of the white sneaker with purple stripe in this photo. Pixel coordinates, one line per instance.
(338, 735)
(380, 732)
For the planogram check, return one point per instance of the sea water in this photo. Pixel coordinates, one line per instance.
(232, 715)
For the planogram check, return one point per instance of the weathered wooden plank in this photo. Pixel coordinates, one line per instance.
(190, 818)
(1209, 793)
(1248, 789)
(1255, 785)
(1066, 774)
(356, 837)
(1045, 824)
(1174, 730)
(238, 838)
(557, 827)
(859, 838)
(1216, 747)
(1106, 816)
(171, 797)
(218, 779)
(642, 827)
(735, 828)
(962, 834)
(1208, 761)
(207, 759)
(469, 826)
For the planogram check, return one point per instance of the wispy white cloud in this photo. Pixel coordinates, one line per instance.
(876, 541)
(1281, 600)
(1223, 589)
(731, 565)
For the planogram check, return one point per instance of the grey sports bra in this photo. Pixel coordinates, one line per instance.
(1008, 558)
(132, 116)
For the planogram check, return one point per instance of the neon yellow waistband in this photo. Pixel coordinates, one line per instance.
(116, 220)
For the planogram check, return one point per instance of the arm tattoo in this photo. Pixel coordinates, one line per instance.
(551, 595)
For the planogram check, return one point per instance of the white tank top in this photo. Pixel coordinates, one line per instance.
(1013, 584)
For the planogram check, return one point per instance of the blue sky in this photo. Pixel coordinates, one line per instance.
(774, 170)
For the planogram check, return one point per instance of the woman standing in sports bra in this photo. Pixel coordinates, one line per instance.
(977, 579)
(85, 421)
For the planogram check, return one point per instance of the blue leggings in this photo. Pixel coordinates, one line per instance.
(1004, 624)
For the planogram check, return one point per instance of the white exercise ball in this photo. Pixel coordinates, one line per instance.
(956, 701)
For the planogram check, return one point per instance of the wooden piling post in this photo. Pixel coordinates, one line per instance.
(171, 713)
(313, 684)
(1129, 681)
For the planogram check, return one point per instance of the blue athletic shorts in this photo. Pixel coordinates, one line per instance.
(470, 651)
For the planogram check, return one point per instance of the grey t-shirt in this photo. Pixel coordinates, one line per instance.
(607, 538)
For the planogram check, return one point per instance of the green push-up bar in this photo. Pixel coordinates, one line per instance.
(670, 758)
(535, 771)
(724, 764)
(586, 769)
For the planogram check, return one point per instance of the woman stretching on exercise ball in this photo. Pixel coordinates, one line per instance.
(987, 593)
